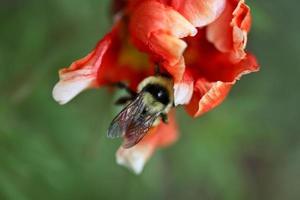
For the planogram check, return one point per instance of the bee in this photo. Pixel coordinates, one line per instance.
(144, 109)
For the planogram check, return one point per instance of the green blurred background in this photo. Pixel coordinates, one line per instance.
(248, 148)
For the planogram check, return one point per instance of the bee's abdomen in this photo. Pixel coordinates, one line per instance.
(160, 93)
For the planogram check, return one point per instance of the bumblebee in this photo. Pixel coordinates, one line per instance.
(144, 109)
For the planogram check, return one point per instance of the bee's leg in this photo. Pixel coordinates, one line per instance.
(123, 100)
(122, 85)
(164, 117)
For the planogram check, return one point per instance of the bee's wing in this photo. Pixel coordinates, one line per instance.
(132, 123)
(122, 121)
(138, 129)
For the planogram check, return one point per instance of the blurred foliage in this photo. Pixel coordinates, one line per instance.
(248, 148)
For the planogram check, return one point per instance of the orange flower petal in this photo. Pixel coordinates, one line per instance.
(82, 74)
(156, 29)
(206, 61)
(170, 50)
(199, 12)
(168, 47)
(136, 157)
(177, 70)
(215, 74)
(152, 16)
(207, 95)
(106, 64)
(222, 69)
(229, 32)
(167, 133)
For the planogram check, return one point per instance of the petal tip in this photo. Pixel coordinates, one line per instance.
(65, 91)
(134, 158)
(183, 93)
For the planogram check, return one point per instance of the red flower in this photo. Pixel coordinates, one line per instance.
(200, 43)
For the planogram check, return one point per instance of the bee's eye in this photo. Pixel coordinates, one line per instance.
(158, 92)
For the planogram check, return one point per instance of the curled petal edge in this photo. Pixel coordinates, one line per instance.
(229, 32)
(199, 13)
(203, 101)
(81, 75)
(208, 95)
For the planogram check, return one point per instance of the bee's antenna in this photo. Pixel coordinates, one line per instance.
(157, 70)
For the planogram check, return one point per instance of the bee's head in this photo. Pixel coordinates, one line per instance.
(158, 90)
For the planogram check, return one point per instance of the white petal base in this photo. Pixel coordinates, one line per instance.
(134, 158)
(64, 91)
(183, 93)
